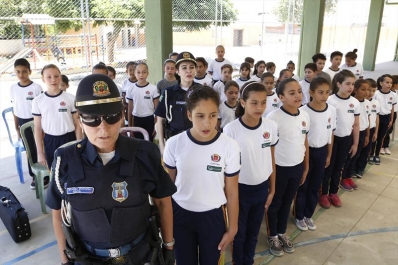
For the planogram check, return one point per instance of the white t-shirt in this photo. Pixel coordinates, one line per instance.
(142, 97)
(292, 130)
(255, 78)
(305, 88)
(201, 169)
(386, 100)
(374, 112)
(241, 82)
(322, 123)
(346, 110)
(331, 72)
(396, 100)
(365, 109)
(357, 69)
(219, 87)
(226, 113)
(22, 97)
(205, 81)
(126, 85)
(273, 103)
(56, 112)
(295, 77)
(255, 143)
(215, 67)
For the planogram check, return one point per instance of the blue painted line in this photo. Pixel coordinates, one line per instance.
(27, 255)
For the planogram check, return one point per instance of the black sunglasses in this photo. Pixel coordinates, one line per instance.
(94, 121)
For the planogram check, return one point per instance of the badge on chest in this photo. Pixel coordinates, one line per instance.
(119, 192)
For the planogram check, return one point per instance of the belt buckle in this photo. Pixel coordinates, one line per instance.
(119, 260)
(114, 252)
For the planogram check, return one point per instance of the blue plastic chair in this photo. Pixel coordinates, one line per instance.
(18, 145)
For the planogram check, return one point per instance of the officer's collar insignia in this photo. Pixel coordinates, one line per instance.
(119, 192)
(101, 89)
(186, 55)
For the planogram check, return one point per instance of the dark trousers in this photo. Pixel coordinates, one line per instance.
(286, 186)
(197, 235)
(308, 194)
(252, 200)
(29, 134)
(51, 143)
(147, 123)
(386, 141)
(350, 162)
(383, 128)
(331, 179)
(363, 156)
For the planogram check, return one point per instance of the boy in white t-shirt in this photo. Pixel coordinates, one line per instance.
(215, 66)
(226, 74)
(319, 59)
(201, 73)
(335, 59)
(310, 72)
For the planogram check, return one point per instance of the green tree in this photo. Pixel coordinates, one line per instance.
(296, 8)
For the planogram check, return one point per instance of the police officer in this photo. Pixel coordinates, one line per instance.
(100, 186)
(171, 109)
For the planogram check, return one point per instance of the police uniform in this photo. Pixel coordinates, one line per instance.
(107, 201)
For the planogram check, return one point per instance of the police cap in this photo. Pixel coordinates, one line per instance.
(97, 94)
(185, 56)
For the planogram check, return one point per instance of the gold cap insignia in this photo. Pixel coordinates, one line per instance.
(101, 89)
(186, 55)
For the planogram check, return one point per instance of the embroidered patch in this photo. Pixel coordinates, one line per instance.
(119, 192)
(80, 190)
(101, 89)
(266, 135)
(215, 158)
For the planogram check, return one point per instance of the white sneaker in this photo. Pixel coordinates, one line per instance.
(382, 152)
(301, 224)
(387, 151)
(310, 223)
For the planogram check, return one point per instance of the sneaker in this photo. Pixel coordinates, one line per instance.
(382, 152)
(352, 183)
(275, 246)
(370, 160)
(310, 223)
(33, 185)
(359, 174)
(288, 245)
(335, 200)
(301, 224)
(46, 182)
(387, 151)
(345, 185)
(324, 201)
(376, 160)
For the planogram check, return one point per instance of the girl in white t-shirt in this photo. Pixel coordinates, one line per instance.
(204, 164)
(284, 74)
(273, 101)
(292, 162)
(352, 65)
(226, 111)
(259, 69)
(257, 137)
(291, 66)
(244, 74)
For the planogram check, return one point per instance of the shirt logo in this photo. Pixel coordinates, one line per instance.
(304, 130)
(213, 168)
(147, 95)
(101, 89)
(119, 191)
(62, 103)
(329, 125)
(266, 135)
(215, 158)
(351, 110)
(275, 100)
(30, 93)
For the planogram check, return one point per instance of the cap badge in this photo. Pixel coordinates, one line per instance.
(186, 55)
(101, 89)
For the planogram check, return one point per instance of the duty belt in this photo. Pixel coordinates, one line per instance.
(114, 252)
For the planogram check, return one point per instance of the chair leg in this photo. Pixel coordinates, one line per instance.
(18, 161)
(37, 187)
(40, 187)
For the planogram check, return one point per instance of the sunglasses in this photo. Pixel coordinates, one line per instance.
(94, 121)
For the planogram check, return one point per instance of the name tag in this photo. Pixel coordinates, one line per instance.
(264, 145)
(180, 102)
(213, 168)
(62, 110)
(80, 190)
(350, 111)
(275, 105)
(147, 97)
(304, 131)
(373, 110)
(29, 98)
(328, 127)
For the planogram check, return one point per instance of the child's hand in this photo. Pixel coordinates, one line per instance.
(327, 161)
(353, 150)
(269, 200)
(41, 158)
(366, 142)
(227, 238)
(303, 177)
(374, 138)
(389, 124)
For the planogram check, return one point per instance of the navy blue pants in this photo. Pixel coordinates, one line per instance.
(51, 143)
(286, 186)
(383, 128)
(386, 141)
(197, 235)
(363, 157)
(308, 194)
(252, 200)
(30, 141)
(350, 162)
(331, 179)
(147, 123)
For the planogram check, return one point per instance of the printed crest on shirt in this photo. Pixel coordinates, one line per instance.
(147, 95)
(101, 89)
(329, 123)
(304, 129)
(390, 101)
(30, 96)
(215, 165)
(215, 158)
(275, 104)
(63, 107)
(119, 191)
(267, 141)
(374, 108)
(351, 110)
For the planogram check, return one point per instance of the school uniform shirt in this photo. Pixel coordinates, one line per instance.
(255, 78)
(346, 110)
(386, 100)
(357, 69)
(273, 103)
(323, 123)
(296, 77)
(119, 87)
(331, 72)
(396, 100)
(56, 112)
(126, 85)
(241, 82)
(22, 97)
(206, 80)
(365, 109)
(142, 97)
(374, 112)
(219, 87)
(226, 113)
(292, 131)
(215, 68)
(255, 143)
(200, 181)
(305, 88)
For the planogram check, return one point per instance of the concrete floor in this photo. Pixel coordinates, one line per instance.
(363, 231)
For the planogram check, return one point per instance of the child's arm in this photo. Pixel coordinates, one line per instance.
(130, 113)
(374, 138)
(231, 192)
(306, 161)
(330, 149)
(367, 134)
(160, 133)
(172, 174)
(272, 178)
(16, 124)
(78, 129)
(355, 136)
(391, 117)
(38, 134)
(155, 105)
